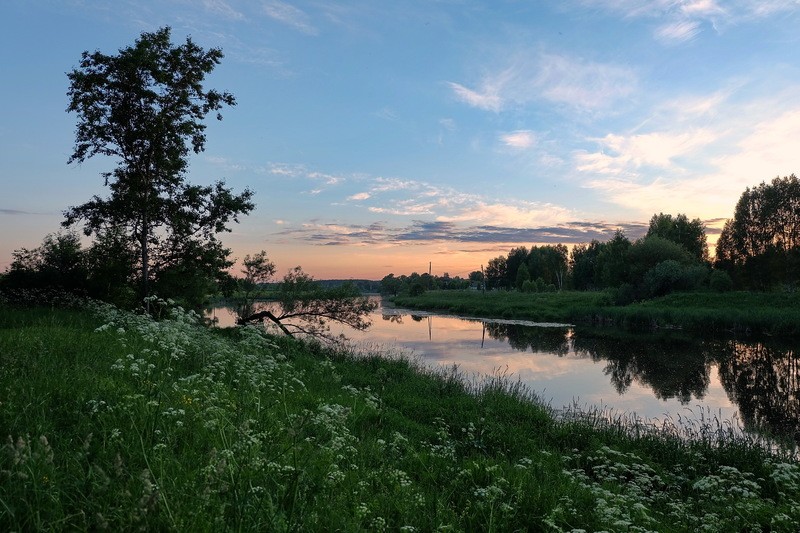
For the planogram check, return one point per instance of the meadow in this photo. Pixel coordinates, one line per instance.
(119, 421)
(741, 312)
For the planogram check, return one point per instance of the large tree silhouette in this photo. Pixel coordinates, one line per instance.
(144, 108)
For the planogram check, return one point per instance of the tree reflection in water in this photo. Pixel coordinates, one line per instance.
(762, 379)
(396, 318)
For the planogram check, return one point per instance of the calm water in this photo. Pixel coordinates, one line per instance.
(654, 377)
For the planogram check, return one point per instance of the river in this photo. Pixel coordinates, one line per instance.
(670, 376)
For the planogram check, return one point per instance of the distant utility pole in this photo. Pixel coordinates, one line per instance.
(430, 266)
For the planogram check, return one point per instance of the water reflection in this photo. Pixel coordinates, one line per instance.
(761, 379)
(764, 381)
(654, 376)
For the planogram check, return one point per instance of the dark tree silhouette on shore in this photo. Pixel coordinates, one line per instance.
(145, 107)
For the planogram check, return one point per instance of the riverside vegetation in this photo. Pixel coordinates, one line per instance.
(116, 420)
(760, 313)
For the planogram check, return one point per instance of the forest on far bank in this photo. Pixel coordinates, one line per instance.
(758, 249)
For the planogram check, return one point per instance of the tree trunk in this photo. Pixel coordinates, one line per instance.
(143, 241)
(261, 315)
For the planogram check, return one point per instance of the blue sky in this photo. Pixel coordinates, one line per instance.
(381, 136)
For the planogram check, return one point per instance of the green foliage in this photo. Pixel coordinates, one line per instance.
(522, 276)
(59, 263)
(720, 281)
(116, 421)
(496, 273)
(392, 286)
(257, 271)
(528, 286)
(144, 107)
(690, 235)
(416, 289)
(648, 252)
(549, 263)
(670, 276)
(612, 268)
(584, 265)
(761, 244)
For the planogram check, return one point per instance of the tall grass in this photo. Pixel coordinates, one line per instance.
(115, 421)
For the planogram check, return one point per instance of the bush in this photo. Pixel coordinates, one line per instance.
(416, 289)
(626, 294)
(668, 276)
(720, 281)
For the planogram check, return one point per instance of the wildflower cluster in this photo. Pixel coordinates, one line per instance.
(631, 496)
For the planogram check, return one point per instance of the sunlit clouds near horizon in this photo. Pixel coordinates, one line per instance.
(382, 137)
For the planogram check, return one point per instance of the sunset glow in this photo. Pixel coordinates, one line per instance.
(395, 137)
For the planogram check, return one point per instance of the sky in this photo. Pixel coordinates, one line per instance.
(392, 136)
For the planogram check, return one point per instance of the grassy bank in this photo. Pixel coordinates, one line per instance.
(117, 422)
(761, 313)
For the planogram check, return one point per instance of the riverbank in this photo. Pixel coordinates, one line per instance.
(116, 421)
(706, 312)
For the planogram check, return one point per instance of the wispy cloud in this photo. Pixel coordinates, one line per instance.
(488, 98)
(291, 16)
(678, 32)
(519, 139)
(628, 153)
(583, 83)
(14, 212)
(359, 196)
(682, 20)
(551, 77)
(301, 171)
(223, 9)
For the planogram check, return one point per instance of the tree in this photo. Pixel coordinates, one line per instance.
(762, 241)
(496, 273)
(549, 263)
(304, 307)
(689, 234)
(257, 270)
(612, 264)
(583, 260)
(391, 285)
(522, 276)
(111, 261)
(516, 258)
(59, 263)
(476, 277)
(647, 252)
(144, 107)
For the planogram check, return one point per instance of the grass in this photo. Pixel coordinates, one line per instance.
(750, 312)
(115, 421)
(541, 307)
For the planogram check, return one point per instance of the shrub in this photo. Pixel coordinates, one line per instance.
(626, 294)
(668, 276)
(720, 281)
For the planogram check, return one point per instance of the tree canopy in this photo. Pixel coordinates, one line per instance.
(761, 243)
(145, 107)
(680, 230)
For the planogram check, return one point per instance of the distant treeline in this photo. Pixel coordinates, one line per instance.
(758, 249)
